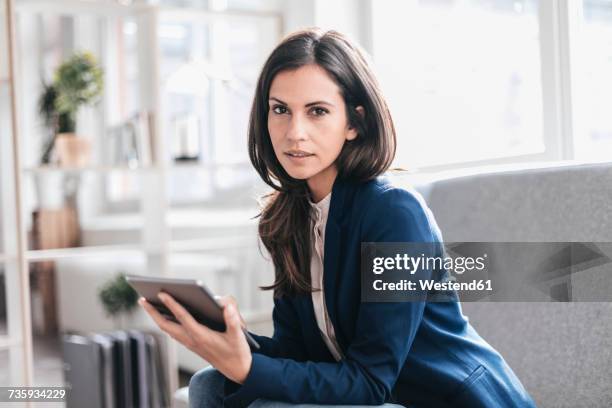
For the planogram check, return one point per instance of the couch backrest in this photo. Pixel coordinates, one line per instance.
(562, 352)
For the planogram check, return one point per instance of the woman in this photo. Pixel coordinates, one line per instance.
(321, 135)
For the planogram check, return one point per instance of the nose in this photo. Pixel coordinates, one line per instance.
(296, 131)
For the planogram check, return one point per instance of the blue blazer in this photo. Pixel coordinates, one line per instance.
(412, 353)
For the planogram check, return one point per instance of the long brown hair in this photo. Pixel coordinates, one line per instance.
(284, 226)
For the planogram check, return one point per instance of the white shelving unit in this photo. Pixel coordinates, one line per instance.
(54, 254)
(155, 242)
(18, 340)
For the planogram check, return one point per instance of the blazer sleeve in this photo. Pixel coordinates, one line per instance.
(287, 341)
(384, 331)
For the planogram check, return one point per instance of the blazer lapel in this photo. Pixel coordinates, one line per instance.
(333, 239)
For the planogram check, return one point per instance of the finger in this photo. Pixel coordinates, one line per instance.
(181, 314)
(230, 300)
(159, 319)
(175, 330)
(196, 331)
(232, 320)
(225, 300)
(152, 311)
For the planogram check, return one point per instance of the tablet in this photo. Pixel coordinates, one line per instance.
(190, 293)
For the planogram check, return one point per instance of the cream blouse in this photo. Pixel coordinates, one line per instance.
(321, 210)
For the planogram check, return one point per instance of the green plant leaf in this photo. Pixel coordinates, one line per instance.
(117, 296)
(79, 81)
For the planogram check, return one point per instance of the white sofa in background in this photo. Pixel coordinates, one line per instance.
(236, 272)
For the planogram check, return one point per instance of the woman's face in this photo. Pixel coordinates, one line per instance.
(308, 125)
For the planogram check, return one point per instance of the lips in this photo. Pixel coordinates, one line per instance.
(298, 153)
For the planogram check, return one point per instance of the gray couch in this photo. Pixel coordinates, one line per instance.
(562, 352)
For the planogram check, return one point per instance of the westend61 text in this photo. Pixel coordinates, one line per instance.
(434, 285)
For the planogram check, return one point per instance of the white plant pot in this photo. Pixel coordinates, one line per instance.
(49, 186)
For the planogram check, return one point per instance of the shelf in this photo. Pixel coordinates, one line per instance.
(209, 244)
(61, 253)
(109, 169)
(177, 218)
(77, 7)
(8, 342)
(146, 233)
(88, 169)
(209, 166)
(114, 9)
(190, 218)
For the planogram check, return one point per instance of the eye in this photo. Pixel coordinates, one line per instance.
(318, 111)
(279, 109)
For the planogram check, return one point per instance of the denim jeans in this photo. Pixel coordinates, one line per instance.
(206, 391)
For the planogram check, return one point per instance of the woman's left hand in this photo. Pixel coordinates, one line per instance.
(227, 351)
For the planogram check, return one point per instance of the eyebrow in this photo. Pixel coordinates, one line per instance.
(307, 105)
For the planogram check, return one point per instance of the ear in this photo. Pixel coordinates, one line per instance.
(352, 132)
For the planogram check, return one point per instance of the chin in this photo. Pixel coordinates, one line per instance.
(299, 173)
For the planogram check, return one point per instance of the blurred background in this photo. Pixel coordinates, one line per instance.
(123, 139)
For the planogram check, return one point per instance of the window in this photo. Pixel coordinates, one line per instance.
(208, 67)
(462, 78)
(594, 140)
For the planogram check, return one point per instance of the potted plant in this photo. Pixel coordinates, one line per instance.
(48, 183)
(78, 81)
(118, 298)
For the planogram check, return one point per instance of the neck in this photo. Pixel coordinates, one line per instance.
(320, 185)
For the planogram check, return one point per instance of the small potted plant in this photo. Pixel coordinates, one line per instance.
(118, 299)
(78, 82)
(49, 184)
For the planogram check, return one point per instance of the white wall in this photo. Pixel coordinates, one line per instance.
(346, 16)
